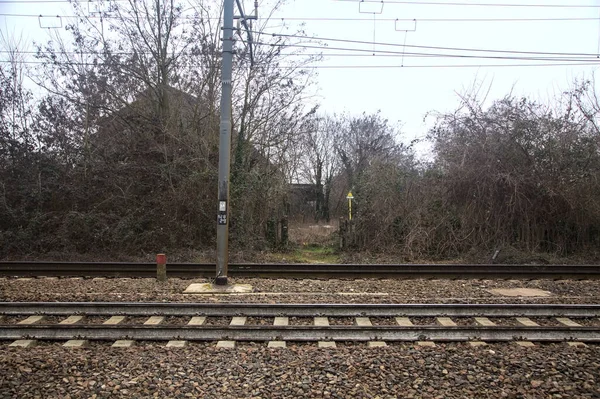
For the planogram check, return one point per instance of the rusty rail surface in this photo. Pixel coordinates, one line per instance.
(272, 270)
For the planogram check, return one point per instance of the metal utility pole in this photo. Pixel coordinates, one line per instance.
(225, 146)
(225, 133)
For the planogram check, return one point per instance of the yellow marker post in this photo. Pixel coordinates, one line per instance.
(350, 198)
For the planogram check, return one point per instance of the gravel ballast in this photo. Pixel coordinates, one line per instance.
(251, 370)
(303, 371)
(298, 291)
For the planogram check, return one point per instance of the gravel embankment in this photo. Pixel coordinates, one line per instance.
(299, 291)
(303, 371)
(401, 370)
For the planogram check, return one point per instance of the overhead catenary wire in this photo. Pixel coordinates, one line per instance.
(331, 19)
(592, 58)
(350, 52)
(549, 64)
(424, 47)
(364, 52)
(310, 45)
(419, 3)
(429, 66)
(463, 4)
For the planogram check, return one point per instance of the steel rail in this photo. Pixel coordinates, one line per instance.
(297, 310)
(299, 333)
(204, 270)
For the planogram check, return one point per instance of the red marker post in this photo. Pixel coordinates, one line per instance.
(161, 267)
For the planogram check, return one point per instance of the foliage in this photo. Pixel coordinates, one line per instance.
(119, 149)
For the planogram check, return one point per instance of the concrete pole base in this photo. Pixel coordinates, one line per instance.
(207, 288)
(221, 280)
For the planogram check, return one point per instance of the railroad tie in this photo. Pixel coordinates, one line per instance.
(404, 322)
(570, 323)
(76, 343)
(235, 321)
(226, 344)
(484, 321)
(366, 322)
(363, 322)
(123, 343)
(154, 321)
(114, 320)
(238, 321)
(567, 322)
(442, 321)
(477, 343)
(197, 321)
(24, 343)
(71, 320)
(32, 319)
(525, 344)
(176, 344)
(323, 322)
(526, 321)
(194, 321)
(326, 344)
(279, 321)
(445, 322)
(27, 343)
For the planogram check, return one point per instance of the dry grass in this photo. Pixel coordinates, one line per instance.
(310, 234)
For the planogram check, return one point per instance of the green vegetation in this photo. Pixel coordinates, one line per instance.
(312, 253)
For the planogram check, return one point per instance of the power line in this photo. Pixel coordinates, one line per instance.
(369, 53)
(426, 47)
(431, 66)
(430, 3)
(439, 19)
(591, 59)
(21, 2)
(349, 52)
(327, 19)
(362, 66)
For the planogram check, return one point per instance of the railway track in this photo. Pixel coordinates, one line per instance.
(298, 322)
(196, 270)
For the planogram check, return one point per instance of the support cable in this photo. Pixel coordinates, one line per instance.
(438, 3)
(244, 20)
(331, 19)
(424, 47)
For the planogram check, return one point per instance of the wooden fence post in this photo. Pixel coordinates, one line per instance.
(342, 233)
(272, 233)
(284, 232)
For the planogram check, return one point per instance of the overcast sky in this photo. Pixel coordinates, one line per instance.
(424, 84)
(407, 94)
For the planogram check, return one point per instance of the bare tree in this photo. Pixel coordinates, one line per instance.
(321, 163)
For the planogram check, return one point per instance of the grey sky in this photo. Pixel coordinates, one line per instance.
(406, 94)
